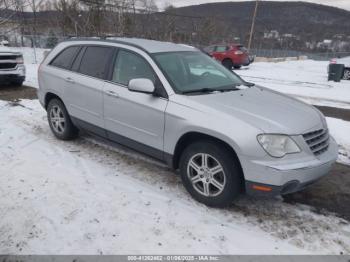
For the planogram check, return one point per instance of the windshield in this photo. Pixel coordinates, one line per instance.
(195, 71)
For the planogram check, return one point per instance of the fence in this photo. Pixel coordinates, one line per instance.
(274, 53)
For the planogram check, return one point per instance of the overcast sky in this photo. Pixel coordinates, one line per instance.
(345, 4)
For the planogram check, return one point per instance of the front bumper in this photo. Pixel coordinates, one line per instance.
(18, 72)
(267, 179)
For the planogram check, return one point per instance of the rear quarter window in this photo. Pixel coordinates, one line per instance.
(65, 58)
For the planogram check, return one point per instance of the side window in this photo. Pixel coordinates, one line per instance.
(64, 59)
(94, 61)
(130, 66)
(221, 48)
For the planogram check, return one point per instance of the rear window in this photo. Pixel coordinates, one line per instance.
(64, 59)
(95, 60)
(221, 48)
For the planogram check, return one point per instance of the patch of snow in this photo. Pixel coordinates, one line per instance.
(82, 197)
(307, 80)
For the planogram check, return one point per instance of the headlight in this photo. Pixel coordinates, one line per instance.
(278, 145)
(19, 60)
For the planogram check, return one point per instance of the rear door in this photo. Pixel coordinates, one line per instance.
(53, 77)
(85, 92)
(220, 52)
(131, 118)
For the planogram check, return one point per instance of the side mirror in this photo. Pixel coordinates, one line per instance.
(141, 85)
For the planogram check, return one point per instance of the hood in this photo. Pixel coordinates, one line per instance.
(4, 50)
(262, 108)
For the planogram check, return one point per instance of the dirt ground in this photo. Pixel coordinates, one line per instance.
(13, 93)
(331, 194)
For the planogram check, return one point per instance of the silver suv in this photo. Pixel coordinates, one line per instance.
(176, 104)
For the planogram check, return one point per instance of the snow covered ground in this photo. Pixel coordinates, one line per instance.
(306, 80)
(83, 197)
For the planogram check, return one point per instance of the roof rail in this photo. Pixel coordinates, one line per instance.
(108, 39)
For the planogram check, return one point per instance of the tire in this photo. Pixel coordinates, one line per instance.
(60, 123)
(229, 178)
(346, 74)
(237, 67)
(227, 63)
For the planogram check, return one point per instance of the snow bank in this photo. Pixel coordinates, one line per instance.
(84, 198)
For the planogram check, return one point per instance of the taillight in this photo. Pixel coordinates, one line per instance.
(239, 53)
(19, 60)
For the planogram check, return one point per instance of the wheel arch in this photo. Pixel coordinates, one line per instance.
(227, 59)
(49, 96)
(191, 137)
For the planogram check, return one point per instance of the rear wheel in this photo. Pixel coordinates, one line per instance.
(227, 63)
(59, 121)
(346, 74)
(210, 173)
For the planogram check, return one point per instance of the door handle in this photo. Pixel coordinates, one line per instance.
(70, 80)
(112, 93)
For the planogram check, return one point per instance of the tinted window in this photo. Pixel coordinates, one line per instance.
(64, 59)
(130, 66)
(94, 61)
(221, 48)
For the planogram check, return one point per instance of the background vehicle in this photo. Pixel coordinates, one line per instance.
(12, 69)
(4, 43)
(176, 104)
(231, 55)
(346, 62)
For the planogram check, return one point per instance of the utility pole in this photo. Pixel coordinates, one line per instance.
(253, 25)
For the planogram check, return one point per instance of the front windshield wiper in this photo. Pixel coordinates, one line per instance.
(249, 84)
(209, 90)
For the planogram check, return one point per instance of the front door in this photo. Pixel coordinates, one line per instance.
(131, 118)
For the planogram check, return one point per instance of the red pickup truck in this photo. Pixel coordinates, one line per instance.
(231, 55)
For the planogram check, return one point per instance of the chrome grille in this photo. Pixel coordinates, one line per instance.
(318, 141)
(8, 65)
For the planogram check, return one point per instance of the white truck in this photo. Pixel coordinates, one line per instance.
(12, 69)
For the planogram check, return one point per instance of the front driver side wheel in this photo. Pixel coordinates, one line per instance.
(211, 173)
(59, 121)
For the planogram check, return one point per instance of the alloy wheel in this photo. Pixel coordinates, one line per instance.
(57, 119)
(206, 175)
